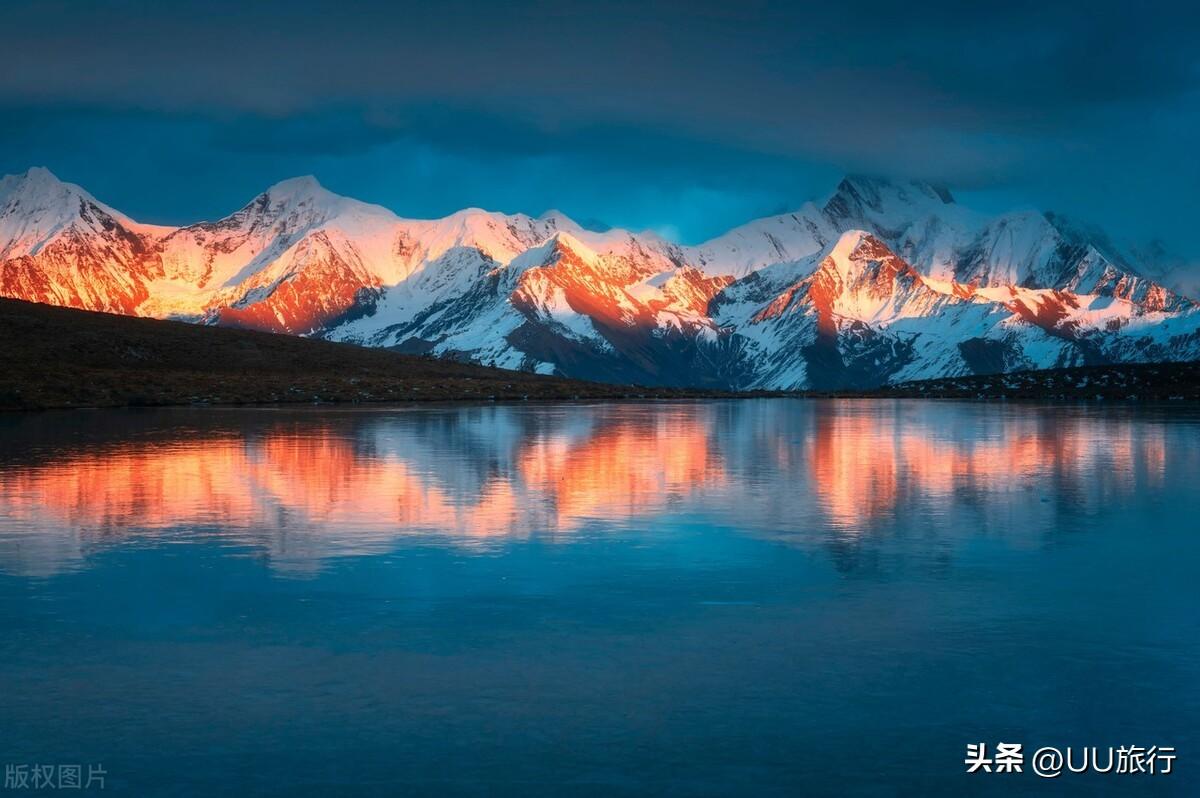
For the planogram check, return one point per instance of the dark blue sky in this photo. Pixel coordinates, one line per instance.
(683, 117)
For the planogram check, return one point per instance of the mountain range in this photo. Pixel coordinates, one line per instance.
(884, 282)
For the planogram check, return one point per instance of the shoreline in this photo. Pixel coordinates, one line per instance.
(630, 398)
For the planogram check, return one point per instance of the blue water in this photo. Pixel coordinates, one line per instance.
(768, 597)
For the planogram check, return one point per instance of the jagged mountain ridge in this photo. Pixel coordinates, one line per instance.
(884, 282)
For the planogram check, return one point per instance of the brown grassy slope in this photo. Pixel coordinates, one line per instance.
(60, 357)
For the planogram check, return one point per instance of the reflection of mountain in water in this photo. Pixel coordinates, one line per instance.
(300, 486)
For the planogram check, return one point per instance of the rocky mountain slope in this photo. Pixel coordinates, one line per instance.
(885, 282)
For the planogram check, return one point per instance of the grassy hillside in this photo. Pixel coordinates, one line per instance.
(58, 357)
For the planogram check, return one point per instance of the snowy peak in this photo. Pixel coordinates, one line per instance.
(29, 181)
(952, 244)
(561, 249)
(863, 280)
(302, 186)
(305, 196)
(231, 250)
(61, 246)
(858, 246)
(562, 246)
(39, 194)
(746, 249)
(37, 183)
(857, 195)
(560, 221)
(36, 206)
(37, 209)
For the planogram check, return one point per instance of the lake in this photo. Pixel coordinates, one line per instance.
(757, 597)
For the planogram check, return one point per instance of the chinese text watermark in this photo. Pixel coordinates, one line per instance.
(59, 776)
(1050, 763)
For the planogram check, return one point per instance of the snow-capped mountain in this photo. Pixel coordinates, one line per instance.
(1027, 249)
(59, 245)
(883, 282)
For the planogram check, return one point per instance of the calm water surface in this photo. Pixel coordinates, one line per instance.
(730, 598)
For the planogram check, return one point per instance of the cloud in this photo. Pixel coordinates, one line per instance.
(759, 103)
(706, 64)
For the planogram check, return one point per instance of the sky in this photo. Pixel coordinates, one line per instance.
(684, 118)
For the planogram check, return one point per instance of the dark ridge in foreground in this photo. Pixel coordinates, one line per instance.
(1147, 382)
(53, 357)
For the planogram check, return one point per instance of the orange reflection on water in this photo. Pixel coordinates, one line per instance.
(623, 469)
(300, 491)
(132, 487)
(864, 466)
